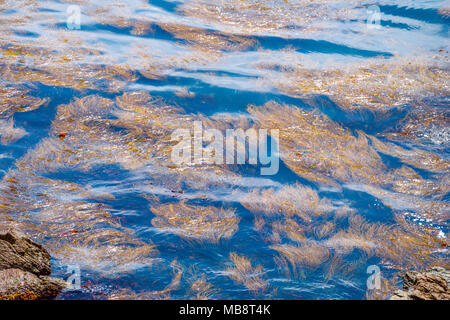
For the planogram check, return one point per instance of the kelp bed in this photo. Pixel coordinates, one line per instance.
(86, 118)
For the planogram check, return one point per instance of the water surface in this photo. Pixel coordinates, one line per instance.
(359, 91)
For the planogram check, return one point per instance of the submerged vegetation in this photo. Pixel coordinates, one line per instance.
(86, 123)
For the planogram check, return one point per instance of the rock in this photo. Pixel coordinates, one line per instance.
(400, 295)
(24, 270)
(24, 254)
(432, 284)
(16, 284)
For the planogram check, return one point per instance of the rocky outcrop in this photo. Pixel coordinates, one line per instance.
(16, 284)
(24, 254)
(433, 284)
(25, 269)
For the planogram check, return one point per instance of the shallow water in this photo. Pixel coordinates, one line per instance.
(359, 91)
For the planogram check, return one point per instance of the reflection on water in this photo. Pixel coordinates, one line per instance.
(360, 100)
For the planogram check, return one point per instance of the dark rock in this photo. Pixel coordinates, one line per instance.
(22, 253)
(433, 284)
(24, 270)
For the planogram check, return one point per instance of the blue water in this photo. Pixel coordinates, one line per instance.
(82, 177)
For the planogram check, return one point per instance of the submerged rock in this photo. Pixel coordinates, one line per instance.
(24, 270)
(432, 284)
